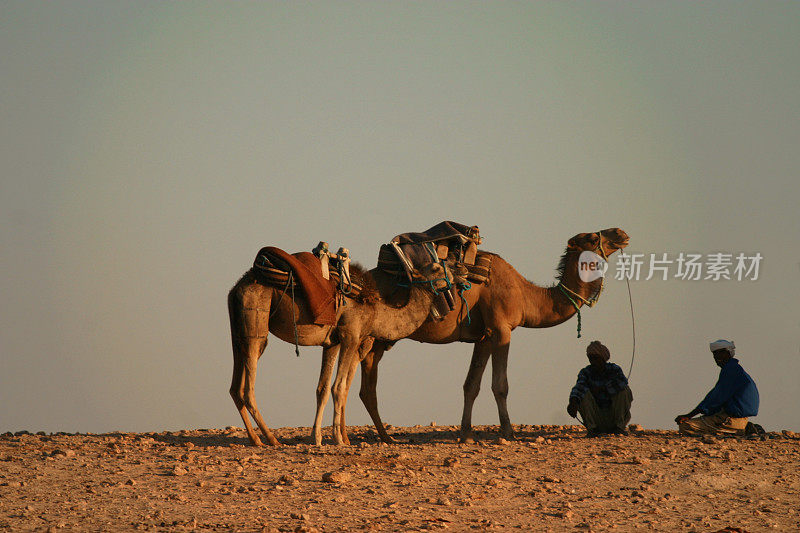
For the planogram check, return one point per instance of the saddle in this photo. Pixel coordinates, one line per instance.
(303, 271)
(449, 242)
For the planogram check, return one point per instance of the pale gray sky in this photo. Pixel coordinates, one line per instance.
(149, 149)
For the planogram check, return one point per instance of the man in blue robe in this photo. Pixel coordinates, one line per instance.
(727, 406)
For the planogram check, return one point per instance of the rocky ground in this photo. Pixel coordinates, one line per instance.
(550, 478)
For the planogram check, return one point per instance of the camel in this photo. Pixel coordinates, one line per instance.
(256, 308)
(376, 320)
(496, 309)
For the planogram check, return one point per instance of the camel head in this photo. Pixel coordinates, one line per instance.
(433, 274)
(603, 242)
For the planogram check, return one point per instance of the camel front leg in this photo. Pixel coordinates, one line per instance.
(472, 386)
(348, 361)
(363, 350)
(500, 348)
(329, 354)
(342, 424)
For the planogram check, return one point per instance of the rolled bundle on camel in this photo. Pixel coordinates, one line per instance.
(288, 295)
(488, 313)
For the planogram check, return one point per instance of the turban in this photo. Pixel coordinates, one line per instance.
(597, 347)
(722, 344)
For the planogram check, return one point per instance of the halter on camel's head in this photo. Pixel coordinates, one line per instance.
(606, 242)
(603, 243)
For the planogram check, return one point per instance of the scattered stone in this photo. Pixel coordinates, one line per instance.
(63, 453)
(635, 428)
(451, 461)
(336, 477)
(179, 471)
(287, 480)
(549, 479)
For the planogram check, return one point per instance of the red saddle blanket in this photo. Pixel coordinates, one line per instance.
(320, 292)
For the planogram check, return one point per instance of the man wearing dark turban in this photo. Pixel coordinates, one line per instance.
(726, 407)
(601, 394)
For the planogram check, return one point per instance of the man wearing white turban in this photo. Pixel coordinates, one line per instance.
(727, 406)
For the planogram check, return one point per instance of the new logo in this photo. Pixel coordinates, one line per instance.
(591, 266)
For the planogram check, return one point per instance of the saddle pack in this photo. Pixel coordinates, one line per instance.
(447, 242)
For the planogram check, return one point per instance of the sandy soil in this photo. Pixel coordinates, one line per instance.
(550, 478)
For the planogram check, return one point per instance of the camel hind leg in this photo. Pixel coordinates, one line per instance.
(249, 320)
(369, 389)
(250, 369)
(245, 366)
(237, 393)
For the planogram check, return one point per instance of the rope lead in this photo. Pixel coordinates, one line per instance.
(462, 288)
(577, 309)
(633, 327)
(294, 317)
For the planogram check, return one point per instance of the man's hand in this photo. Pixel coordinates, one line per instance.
(572, 408)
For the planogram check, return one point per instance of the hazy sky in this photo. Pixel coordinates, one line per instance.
(149, 149)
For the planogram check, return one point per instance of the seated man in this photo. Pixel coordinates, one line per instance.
(601, 394)
(727, 406)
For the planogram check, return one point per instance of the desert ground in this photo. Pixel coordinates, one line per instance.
(549, 478)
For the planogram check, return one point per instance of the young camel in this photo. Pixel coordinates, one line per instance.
(377, 320)
(496, 309)
(256, 308)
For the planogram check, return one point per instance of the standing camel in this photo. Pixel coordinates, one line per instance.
(507, 301)
(375, 320)
(257, 308)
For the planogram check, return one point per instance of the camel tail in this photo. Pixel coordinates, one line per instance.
(248, 309)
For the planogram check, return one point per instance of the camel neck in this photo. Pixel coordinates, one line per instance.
(394, 323)
(549, 306)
